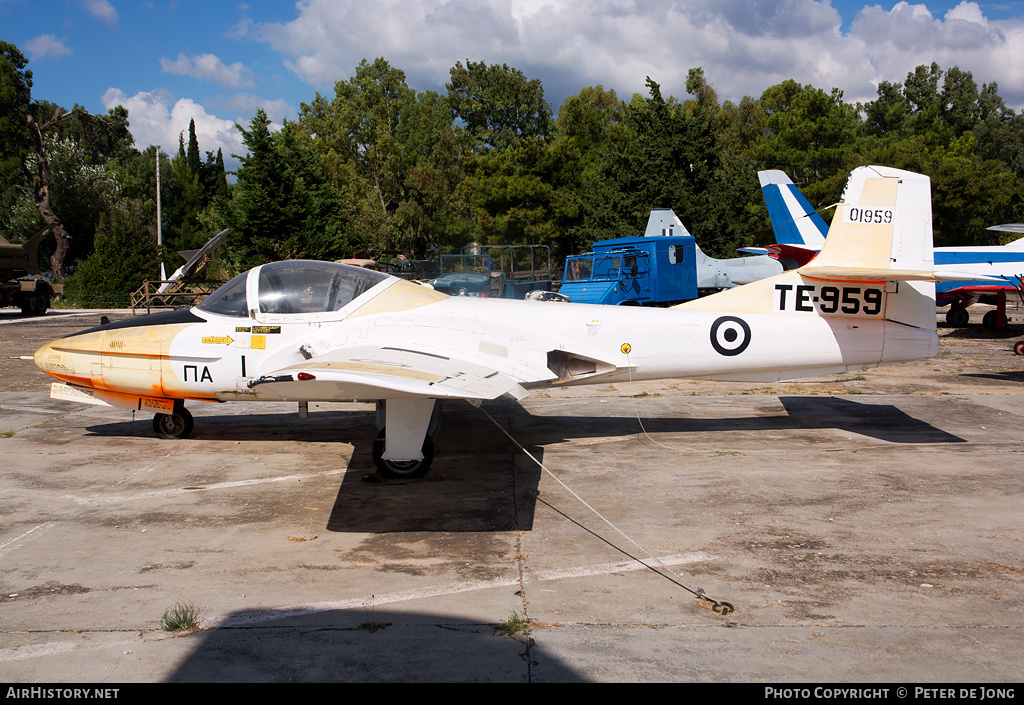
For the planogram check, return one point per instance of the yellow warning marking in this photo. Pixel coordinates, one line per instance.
(625, 348)
(217, 340)
(259, 342)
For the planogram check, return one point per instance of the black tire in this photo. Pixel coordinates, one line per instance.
(404, 470)
(989, 320)
(34, 304)
(1018, 347)
(175, 425)
(958, 317)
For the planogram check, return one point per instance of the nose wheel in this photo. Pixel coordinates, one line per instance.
(177, 424)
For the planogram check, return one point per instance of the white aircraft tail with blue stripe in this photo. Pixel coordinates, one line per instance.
(794, 220)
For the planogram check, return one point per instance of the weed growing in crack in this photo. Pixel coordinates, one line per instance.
(515, 624)
(183, 617)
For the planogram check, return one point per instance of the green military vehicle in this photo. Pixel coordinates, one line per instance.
(21, 282)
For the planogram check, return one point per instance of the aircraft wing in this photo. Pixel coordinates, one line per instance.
(1010, 228)
(870, 274)
(800, 254)
(376, 372)
(975, 293)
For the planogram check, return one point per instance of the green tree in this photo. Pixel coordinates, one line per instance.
(587, 117)
(959, 106)
(810, 134)
(192, 159)
(498, 104)
(181, 197)
(361, 123)
(589, 134)
(283, 207)
(886, 116)
(122, 258)
(524, 195)
(970, 193)
(15, 98)
(397, 151)
(431, 216)
(215, 180)
(672, 163)
(81, 193)
(1000, 131)
(24, 125)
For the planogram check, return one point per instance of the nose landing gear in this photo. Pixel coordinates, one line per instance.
(177, 424)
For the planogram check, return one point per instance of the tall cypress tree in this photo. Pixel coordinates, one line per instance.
(195, 164)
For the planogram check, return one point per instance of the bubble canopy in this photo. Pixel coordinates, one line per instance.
(293, 287)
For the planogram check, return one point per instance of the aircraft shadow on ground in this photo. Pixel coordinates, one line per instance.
(478, 483)
(977, 332)
(803, 413)
(1006, 376)
(481, 482)
(462, 424)
(330, 645)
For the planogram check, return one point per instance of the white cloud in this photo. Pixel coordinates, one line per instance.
(908, 36)
(244, 105)
(46, 46)
(155, 117)
(744, 47)
(209, 67)
(969, 11)
(101, 9)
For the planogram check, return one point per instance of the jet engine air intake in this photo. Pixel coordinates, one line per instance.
(567, 366)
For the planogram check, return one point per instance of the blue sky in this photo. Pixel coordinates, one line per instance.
(216, 62)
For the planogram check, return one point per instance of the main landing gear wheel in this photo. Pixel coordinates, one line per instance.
(177, 424)
(402, 469)
(958, 316)
(1018, 347)
(991, 320)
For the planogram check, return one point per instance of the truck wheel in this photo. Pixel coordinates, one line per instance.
(35, 304)
(30, 305)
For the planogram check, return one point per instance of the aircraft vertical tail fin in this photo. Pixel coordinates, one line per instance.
(883, 222)
(793, 219)
(882, 231)
(870, 290)
(664, 221)
(880, 241)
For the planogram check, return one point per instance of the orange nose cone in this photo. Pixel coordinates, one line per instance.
(42, 355)
(66, 365)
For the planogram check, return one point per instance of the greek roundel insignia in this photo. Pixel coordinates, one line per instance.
(730, 335)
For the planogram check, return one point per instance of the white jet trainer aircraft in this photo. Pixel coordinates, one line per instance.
(317, 331)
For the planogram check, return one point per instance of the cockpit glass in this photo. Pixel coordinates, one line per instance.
(229, 300)
(301, 286)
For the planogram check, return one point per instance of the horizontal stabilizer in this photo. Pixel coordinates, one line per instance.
(866, 274)
(1008, 227)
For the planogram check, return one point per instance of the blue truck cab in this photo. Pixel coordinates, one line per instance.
(663, 267)
(633, 270)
